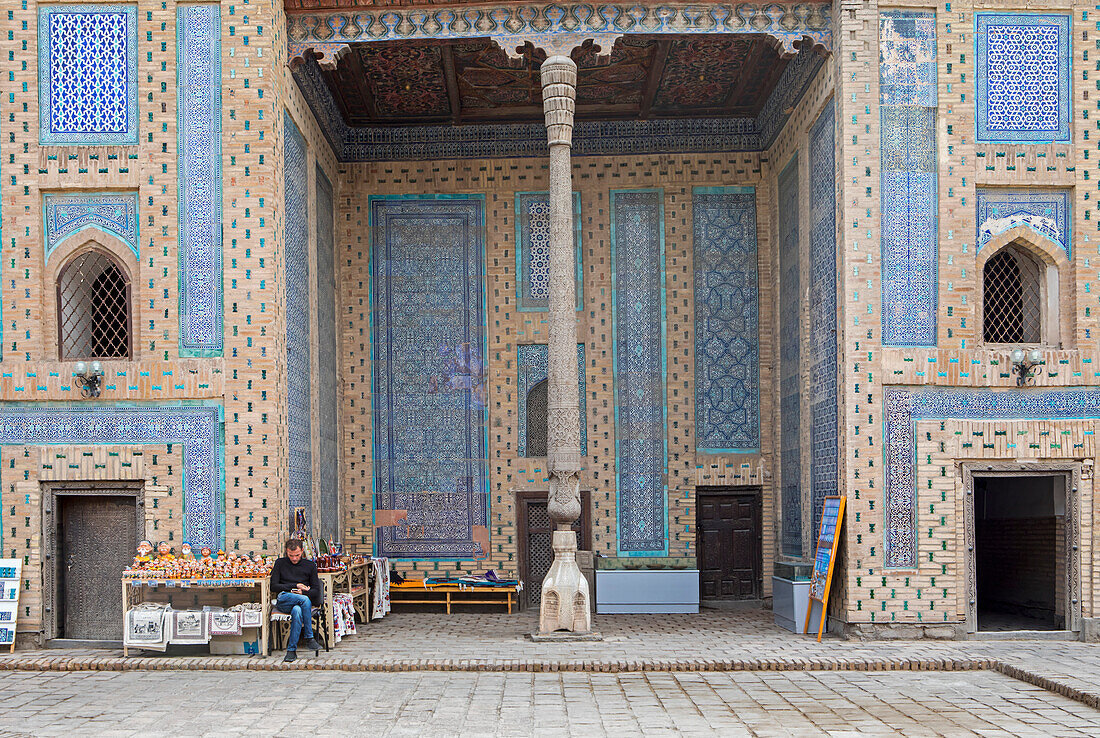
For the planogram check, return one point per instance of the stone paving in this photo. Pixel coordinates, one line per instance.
(567, 703)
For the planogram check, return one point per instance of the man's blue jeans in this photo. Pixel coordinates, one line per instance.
(300, 609)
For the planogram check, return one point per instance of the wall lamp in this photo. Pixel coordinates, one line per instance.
(88, 377)
(1026, 364)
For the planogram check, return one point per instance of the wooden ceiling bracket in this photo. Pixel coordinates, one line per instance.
(328, 55)
(556, 44)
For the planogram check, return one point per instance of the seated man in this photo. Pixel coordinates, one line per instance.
(294, 581)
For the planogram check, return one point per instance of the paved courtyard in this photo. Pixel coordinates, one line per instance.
(568, 703)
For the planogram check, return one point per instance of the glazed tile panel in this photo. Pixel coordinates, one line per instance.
(1022, 76)
(1046, 211)
(298, 358)
(638, 318)
(87, 74)
(904, 406)
(111, 212)
(327, 360)
(428, 336)
(199, 108)
(824, 410)
(727, 332)
(790, 393)
(533, 253)
(907, 67)
(534, 367)
(198, 427)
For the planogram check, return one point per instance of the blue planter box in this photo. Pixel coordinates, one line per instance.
(647, 591)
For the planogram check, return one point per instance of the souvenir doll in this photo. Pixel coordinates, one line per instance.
(144, 555)
(185, 552)
(164, 554)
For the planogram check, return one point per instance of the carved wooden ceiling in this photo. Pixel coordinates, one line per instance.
(473, 81)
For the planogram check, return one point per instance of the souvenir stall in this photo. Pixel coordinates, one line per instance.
(151, 622)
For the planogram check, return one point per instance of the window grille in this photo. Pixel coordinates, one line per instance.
(93, 308)
(1013, 298)
(537, 419)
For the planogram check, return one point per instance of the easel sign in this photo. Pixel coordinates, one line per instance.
(832, 516)
(10, 585)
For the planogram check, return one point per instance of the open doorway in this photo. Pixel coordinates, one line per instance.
(1020, 552)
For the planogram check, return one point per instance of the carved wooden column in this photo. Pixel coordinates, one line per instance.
(565, 598)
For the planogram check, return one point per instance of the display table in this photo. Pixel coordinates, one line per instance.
(136, 585)
(419, 592)
(354, 581)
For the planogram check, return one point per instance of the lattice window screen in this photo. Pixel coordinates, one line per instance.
(93, 308)
(1013, 298)
(537, 419)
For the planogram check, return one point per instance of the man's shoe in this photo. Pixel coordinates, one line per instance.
(312, 645)
(290, 656)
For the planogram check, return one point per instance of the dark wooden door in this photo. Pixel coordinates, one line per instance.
(536, 538)
(729, 546)
(96, 539)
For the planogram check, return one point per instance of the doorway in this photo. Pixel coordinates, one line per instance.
(729, 544)
(92, 531)
(535, 548)
(1020, 552)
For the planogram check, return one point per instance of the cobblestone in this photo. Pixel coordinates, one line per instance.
(489, 704)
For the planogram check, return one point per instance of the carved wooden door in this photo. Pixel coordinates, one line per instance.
(96, 536)
(729, 546)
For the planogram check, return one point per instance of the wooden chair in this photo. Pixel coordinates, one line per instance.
(280, 625)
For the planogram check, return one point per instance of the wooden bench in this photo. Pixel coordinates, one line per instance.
(416, 592)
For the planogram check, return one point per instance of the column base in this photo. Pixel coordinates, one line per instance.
(566, 603)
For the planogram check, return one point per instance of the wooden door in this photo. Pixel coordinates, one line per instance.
(536, 536)
(729, 545)
(96, 536)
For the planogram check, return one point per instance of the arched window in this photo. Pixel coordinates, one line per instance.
(537, 419)
(1013, 298)
(93, 308)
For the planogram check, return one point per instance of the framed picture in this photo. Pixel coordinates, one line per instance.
(188, 626)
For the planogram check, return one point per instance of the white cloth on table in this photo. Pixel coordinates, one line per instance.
(147, 627)
(380, 604)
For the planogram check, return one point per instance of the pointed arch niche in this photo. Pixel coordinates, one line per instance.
(1040, 261)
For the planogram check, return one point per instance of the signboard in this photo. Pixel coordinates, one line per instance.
(832, 517)
(10, 584)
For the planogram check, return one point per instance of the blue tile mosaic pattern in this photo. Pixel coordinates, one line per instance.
(328, 414)
(1047, 211)
(298, 357)
(907, 69)
(199, 111)
(638, 320)
(533, 364)
(111, 212)
(824, 369)
(196, 426)
(790, 358)
(659, 136)
(533, 249)
(905, 406)
(727, 323)
(428, 337)
(87, 74)
(1023, 66)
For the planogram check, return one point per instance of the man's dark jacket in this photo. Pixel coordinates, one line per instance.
(284, 575)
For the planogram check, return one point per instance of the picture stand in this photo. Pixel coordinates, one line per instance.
(10, 581)
(832, 517)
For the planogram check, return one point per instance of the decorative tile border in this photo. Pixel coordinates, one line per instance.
(1022, 75)
(199, 110)
(638, 338)
(824, 367)
(79, 102)
(111, 212)
(688, 135)
(903, 406)
(428, 337)
(197, 426)
(533, 250)
(727, 330)
(328, 361)
(299, 358)
(533, 366)
(909, 237)
(997, 207)
(790, 359)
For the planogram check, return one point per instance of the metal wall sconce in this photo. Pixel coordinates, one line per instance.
(88, 378)
(1026, 364)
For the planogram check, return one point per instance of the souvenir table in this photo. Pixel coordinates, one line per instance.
(352, 580)
(135, 585)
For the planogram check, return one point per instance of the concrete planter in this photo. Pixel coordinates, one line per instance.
(790, 598)
(647, 591)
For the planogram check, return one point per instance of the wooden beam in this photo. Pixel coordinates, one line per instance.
(752, 60)
(654, 77)
(451, 76)
(355, 66)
